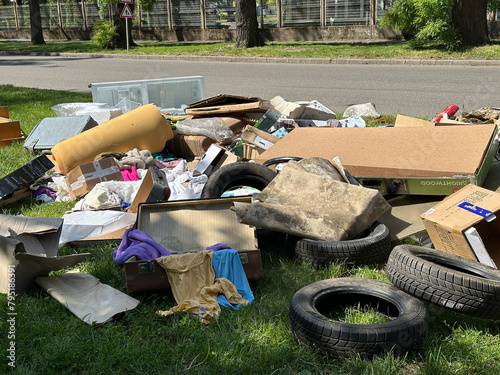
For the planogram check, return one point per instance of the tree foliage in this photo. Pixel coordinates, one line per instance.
(429, 20)
(423, 19)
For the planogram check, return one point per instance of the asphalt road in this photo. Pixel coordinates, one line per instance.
(409, 89)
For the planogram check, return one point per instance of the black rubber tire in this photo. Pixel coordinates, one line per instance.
(237, 174)
(371, 247)
(312, 327)
(446, 280)
(279, 160)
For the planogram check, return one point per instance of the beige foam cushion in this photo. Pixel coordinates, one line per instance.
(143, 128)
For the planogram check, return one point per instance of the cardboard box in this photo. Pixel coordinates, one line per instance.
(23, 177)
(151, 189)
(298, 111)
(467, 224)
(434, 160)
(258, 137)
(405, 121)
(10, 131)
(214, 158)
(192, 225)
(28, 248)
(82, 179)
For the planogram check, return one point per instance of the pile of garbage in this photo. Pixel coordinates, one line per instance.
(142, 173)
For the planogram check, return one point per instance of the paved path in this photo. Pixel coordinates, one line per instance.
(410, 87)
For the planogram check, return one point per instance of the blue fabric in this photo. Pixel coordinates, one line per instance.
(227, 264)
(139, 243)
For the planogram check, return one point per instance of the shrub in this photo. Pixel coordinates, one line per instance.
(427, 20)
(106, 34)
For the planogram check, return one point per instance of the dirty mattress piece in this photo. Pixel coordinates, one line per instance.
(309, 202)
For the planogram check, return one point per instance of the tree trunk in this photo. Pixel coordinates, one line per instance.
(469, 19)
(121, 39)
(247, 27)
(36, 23)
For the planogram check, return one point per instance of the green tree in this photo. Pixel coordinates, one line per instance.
(453, 23)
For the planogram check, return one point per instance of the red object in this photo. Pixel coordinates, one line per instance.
(450, 111)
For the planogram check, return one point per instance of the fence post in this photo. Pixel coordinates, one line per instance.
(84, 15)
(322, 12)
(139, 17)
(169, 14)
(202, 15)
(16, 16)
(59, 16)
(279, 14)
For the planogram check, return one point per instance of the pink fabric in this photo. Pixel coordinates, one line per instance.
(130, 175)
(167, 164)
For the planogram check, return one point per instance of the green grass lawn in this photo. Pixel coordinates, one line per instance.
(253, 340)
(361, 50)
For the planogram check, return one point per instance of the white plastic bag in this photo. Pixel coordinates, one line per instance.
(213, 127)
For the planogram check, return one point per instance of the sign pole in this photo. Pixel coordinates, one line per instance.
(126, 30)
(126, 13)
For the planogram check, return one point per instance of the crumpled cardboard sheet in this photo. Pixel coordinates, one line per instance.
(305, 199)
(30, 245)
(86, 297)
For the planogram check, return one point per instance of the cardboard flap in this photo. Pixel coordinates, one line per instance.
(43, 265)
(226, 104)
(42, 234)
(192, 225)
(223, 99)
(86, 297)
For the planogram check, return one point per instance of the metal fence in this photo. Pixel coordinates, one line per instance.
(199, 14)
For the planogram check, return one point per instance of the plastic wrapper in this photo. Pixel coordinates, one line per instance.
(214, 128)
(100, 112)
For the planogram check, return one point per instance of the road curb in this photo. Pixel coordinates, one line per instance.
(279, 60)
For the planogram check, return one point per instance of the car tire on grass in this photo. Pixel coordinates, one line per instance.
(311, 325)
(373, 246)
(446, 280)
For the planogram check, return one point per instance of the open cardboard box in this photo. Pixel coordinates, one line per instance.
(29, 246)
(467, 224)
(214, 158)
(434, 160)
(191, 225)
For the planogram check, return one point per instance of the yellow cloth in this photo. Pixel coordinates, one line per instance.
(192, 279)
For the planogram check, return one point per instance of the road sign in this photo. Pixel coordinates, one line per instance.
(126, 12)
(126, 1)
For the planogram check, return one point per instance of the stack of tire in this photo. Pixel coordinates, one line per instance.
(372, 246)
(418, 275)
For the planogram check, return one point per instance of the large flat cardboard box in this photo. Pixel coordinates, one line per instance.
(467, 224)
(434, 160)
(83, 178)
(192, 225)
